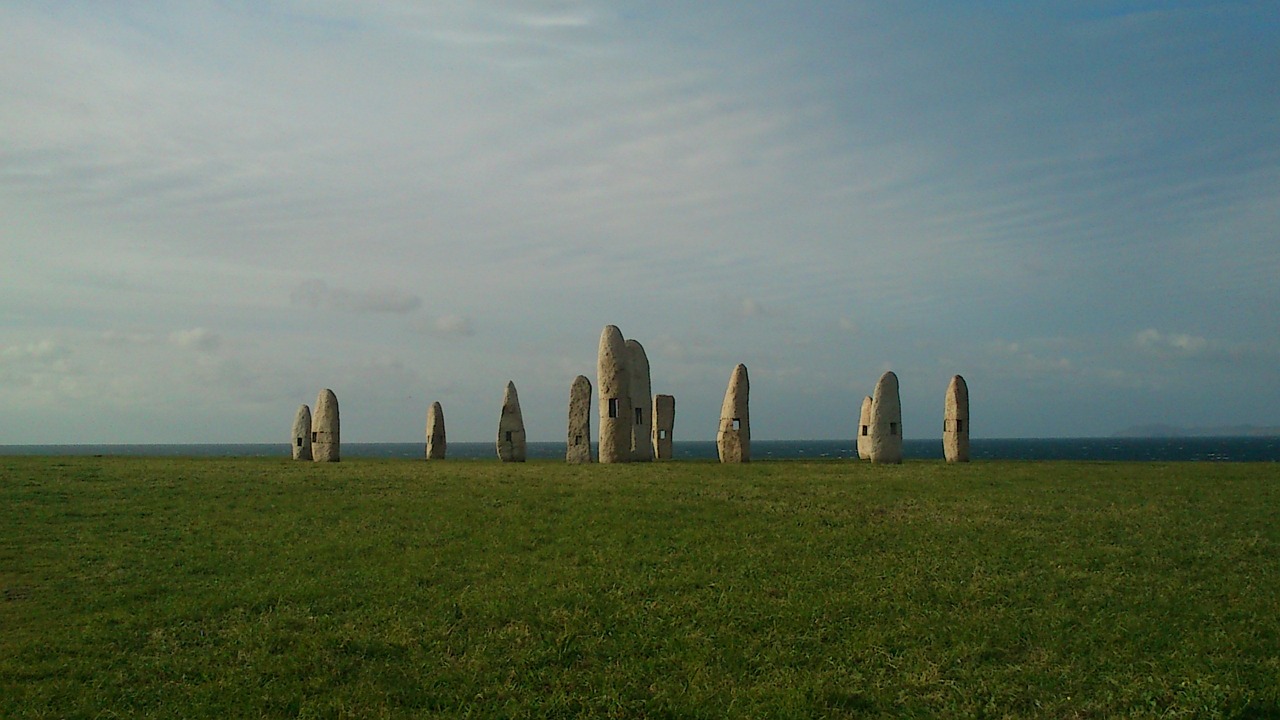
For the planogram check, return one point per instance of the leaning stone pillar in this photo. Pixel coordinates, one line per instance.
(578, 443)
(325, 436)
(612, 385)
(955, 421)
(301, 443)
(664, 425)
(511, 443)
(886, 421)
(436, 441)
(733, 440)
(864, 430)
(641, 403)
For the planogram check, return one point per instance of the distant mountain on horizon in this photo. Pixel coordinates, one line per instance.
(1157, 430)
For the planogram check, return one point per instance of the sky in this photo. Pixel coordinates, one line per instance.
(209, 211)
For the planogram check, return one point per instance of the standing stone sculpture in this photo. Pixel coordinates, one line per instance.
(886, 421)
(864, 430)
(511, 443)
(436, 443)
(664, 425)
(613, 382)
(733, 440)
(302, 434)
(641, 403)
(578, 443)
(955, 421)
(325, 435)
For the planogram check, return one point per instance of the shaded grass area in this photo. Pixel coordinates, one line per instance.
(266, 588)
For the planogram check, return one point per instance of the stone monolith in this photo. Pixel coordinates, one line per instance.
(578, 443)
(641, 403)
(886, 421)
(302, 434)
(325, 435)
(733, 440)
(864, 430)
(955, 421)
(436, 442)
(613, 389)
(664, 425)
(511, 444)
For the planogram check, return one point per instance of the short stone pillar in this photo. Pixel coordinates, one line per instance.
(511, 442)
(886, 421)
(664, 425)
(733, 439)
(437, 444)
(326, 437)
(301, 442)
(578, 443)
(955, 421)
(864, 430)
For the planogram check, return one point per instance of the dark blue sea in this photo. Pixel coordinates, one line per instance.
(1200, 449)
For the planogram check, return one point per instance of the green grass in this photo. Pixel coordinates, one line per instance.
(366, 589)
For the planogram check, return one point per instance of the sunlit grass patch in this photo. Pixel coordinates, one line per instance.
(216, 588)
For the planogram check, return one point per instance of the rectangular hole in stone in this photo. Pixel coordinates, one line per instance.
(299, 442)
(737, 424)
(959, 426)
(315, 436)
(508, 436)
(893, 428)
(613, 407)
(662, 434)
(639, 416)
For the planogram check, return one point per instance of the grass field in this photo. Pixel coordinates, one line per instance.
(367, 589)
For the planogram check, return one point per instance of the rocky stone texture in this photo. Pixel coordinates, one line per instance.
(664, 425)
(511, 443)
(578, 443)
(436, 443)
(325, 435)
(955, 421)
(301, 442)
(864, 430)
(886, 421)
(641, 403)
(613, 382)
(733, 440)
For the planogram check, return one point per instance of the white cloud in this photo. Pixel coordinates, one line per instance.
(199, 339)
(452, 326)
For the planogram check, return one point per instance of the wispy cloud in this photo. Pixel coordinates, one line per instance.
(1179, 343)
(320, 295)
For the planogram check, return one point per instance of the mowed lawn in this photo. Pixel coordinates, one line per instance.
(202, 588)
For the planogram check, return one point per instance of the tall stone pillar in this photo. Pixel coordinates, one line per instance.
(641, 403)
(886, 421)
(733, 440)
(325, 435)
(578, 443)
(511, 441)
(955, 421)
(436, 442)
(301, 443)
(664, 425)
(613, 382)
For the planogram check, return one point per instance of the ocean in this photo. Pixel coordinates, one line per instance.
(1200, 449)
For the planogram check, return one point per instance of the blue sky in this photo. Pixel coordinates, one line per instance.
(212, 210)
